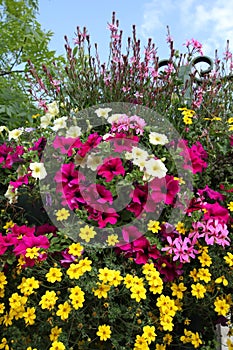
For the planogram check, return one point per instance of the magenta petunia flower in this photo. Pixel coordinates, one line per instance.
(111, 167)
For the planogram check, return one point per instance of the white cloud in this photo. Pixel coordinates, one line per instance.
(210, 22)
(153, 17)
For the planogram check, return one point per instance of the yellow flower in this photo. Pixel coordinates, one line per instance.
(205, 259)
(104, 332)
(77, 297)
(177, 290)
(180, 227)
(138, 292)
(32, 253)
(54, 275)
(167, 339)
(230, 205)
(195, 340)
(193, 275)
(102, 291)
(166, 322)
(74, 271)
(105, 275)
(160, 347)
(28, 285)
(230, 120)
(30, 315)
(229, 344)
(222, 280)
(149, 333)
(62, 214)
(229, 259)
(204, 275)
(153, 226)
(187, 120)
(198, 290)
(221, 306)
(64, 310)
(128, 281)
(55, 332)
(8, 224)
(75, 249)
(87, 233)
(3, 280)
(140, 343)
(116, 280)
(57, 345)
(112, 240)
(48, 300)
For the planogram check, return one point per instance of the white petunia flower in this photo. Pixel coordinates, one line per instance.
(2, 128)
(45, 120)
(114, 118)
(155, 168)
(38, 170)
(157, 139)
(74, 131)
(93, 161)
(53, 108)
(11, 194)
(138, 153)
(14, 134)
(59, 123)
(103, 112)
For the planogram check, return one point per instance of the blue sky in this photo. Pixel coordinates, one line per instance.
(209, 21)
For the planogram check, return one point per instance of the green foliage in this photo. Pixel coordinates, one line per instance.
(22, 39)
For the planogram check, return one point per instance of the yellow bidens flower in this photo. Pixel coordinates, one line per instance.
(48, 300)
(177, 290)
(57, 345)
(63, 310)
(198, 290)
(55, 332)
(153, 226)
(188, 114)
(30, 315)
(54, 275)
(8, 224)
(112, 240)
(62, 214)
(149, 333)
(221, 306)
(205, 259)
(180, 227)
(229, 259)
(76, 270)
(102, 290)
(222, 280)
(140, 343)
(104, 332)
(28, 285)
(190, 337)
(87, 233)
(75, 249)
(230, 205)
(77, 297)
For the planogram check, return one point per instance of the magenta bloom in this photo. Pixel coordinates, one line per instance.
(216, 211)
(111, 167)
(194, 157)
(122, 142)
(30, 242)
(22, 180)
(104, 216)
(164, 189)
(211, 193)
(93, 141)
(66, 144)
